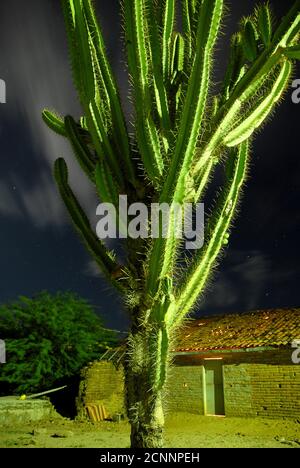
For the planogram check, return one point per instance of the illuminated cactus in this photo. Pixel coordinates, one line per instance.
(181, 134)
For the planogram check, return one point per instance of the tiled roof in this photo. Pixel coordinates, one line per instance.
(275, 327)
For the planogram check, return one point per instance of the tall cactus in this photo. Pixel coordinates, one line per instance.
(182, 133)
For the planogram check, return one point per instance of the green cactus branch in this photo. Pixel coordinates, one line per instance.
(102, 256)
(97, 87)
(252, 80)
(109, 84)
(148, 138)
(54, 122)
(202, 267)
(264, 23)
(182, 131)
(84, 156)
(188, 134)
(167, 32)
(160, 90)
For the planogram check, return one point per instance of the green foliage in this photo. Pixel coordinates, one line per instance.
(182, 131)
(49, 338)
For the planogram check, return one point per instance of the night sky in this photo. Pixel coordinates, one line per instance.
(39, 250)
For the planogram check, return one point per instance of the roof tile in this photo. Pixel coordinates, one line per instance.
(274, 327)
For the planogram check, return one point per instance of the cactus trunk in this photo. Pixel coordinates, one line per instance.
(143, 401)
(182, 132)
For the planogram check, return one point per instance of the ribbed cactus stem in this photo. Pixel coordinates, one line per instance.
(81, 151)
(168, 27)
(101, 255)
(159, 350)
(200, 271)
(243, 131)
(148, 139)
(54, 122)
(264, 19)
(188, 133)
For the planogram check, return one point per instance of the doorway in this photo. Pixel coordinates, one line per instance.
(213, 388)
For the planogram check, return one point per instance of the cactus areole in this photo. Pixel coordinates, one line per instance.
(179, 134)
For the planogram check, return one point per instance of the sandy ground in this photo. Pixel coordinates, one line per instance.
(182, 431)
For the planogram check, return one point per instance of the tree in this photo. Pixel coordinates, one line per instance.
(48, 339)
(183, 130)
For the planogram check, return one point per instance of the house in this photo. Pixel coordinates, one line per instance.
(238, 365)
(231, 365)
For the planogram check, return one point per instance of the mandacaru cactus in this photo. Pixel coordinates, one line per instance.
(183, 130)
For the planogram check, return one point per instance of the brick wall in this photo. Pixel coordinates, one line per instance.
(275, 390)
(185, 389)
(101, 383)
(237, 390)
(262, 384)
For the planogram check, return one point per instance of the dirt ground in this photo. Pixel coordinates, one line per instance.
(182, 431)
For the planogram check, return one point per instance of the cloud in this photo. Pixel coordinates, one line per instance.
(92, 269)
(38, 76)
(41, 205)
(248, 280)
(241, 282)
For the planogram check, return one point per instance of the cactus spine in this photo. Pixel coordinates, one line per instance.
(181, 134)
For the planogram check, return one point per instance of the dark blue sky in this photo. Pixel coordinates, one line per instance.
(39, 249)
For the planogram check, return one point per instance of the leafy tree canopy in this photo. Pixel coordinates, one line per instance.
(49, 338)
